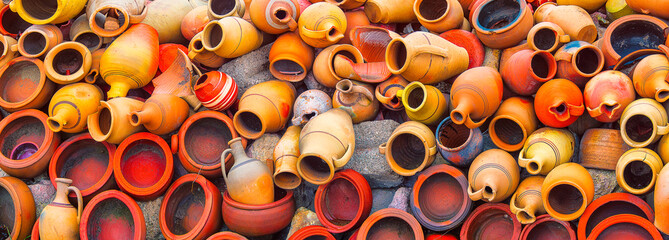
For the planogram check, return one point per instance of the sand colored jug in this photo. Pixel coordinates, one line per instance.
(526, 203)
(38, 40)
(512, 124)
(322, 24)
(650, 76)
(357, 99)
(567, 191)
(290, 58)
(118, 15)
(249, 181)
(59, 219)
(68, 62)
(390, 11)
(218, 36)
(111, 122)
(275, 16)
(437, 15)
(643, 122)
(493, 176)
(264, 107)
(607, 94)
(574, 20)
(546, 36)
(285, 159)
(637, 170)
(475, 95)
(410, 148)
(545, 149)
(226, 8)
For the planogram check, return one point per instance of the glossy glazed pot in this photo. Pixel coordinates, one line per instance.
(526, 203)
(166, 16)
(285, 154)
(161, 114)
(611, 205)
(118, 15)
(71, 105)
(275, 17)
(526, 70)
(410, 148)
(18, 208)
(333, 129)
(425, 57)
(216, 90)
(81, 32)
(111, 122)
(491, 221)
(458, 144)
(143, 166)
(354, 19)
(493, 176)
(558, 103)
(345, 202)
(194, 22)
(438, 15)
(28, 143)
(8, 50)
(38, 40)
(650, 76)
(322, 24)
(357, 99)
(198, 54)
(513, 122)
(654, 8)
(258, 220)
(631, 33)
(227, 236)
(643, 122)
(475, 95)
(290, 58)
(637, 170)
(546, 227)
(59, 219)
(324, 69)
(660, 205)
(390, 223)
(578, 61)
(11, 23)
(567, 191)
(264, 107)
(386, 93)
(24, 84)
(469, 41)
(601, 148)
(546, 149)
(390, 11)
(547, 36)
(502, 23)
(607, 94)
(112, 214)
(439, 198)
(68, 62)
(628, 226)
(199, 204)
(574, 20)
(423, 103)
(231, 31)
(226, 8)
(309, 104)
(249, 181)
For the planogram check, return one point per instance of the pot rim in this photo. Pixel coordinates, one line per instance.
(458, 148)
(547, 218)
(623, 125)
(364, 196)
(600, 59)
(96, 47)
(287, 57)
(40, 87)
(286, 199)
(501, 144)
(37, 21)
(608, 198)
(4, 10)
(419, 15)
(226, 235)
(10, 183)
(426, 157)
(37, 30)
(109, 33)
(625, 218)
(607, 48)
(556, 29)
(479, 28)
(552, 65)
(323, 159)
(561, 216)
(209, 205)
(6, 45)
(620, 168)
(137, 215)
(86, 62)
(310, 231)
(46, 146)
(487, 207)
(390, 213)
(236, 121)
(389, 55)
(405, 93)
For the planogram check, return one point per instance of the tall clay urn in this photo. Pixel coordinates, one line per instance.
(59, 219)
(249, 181)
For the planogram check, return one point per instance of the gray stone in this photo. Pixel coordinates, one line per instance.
(249, 69)
(604, 180)
(263, 148)
(382, 197)
(3, 173)
(303, 217)
(311, 83)
(401, 199)
(151, 211)
(492, 57)
(304, 195)
(367, 160)
(43, 193)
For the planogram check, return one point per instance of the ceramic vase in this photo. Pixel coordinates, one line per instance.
(275, 17)
(357, 99)
(161, 114)
(323, 67)
(423, 103)
(558, 103)
(81, 32)
(649, 77)
(18, 208)
(249, 180)
(118, 15)
(386, 93)
(264, 107)
(607, 94)
(25, 84)
(216, 90)
(637, 170)
(574, 20)
(648, 32)
(432, 188)
(390, 11)
(650, 7)
(475, 95)
(601, 148)
(493, 176)
(218, 35)
(458, 144)
(309, 104)
(71, 105)
(38, 40)
(285, 155)
(165, 16)
(345, 202)
(643, 122)
(513, 122)
(578, 61)
(546, 36)
(438, 16)
(226, 8)
(491, 221)
(410, 148)
(111, 122)
(567, 191)
(59, 219)
(290, 58)
(527, 70)
(497, 27)
(545, 149)
(526, 203)
(198, 54)
(322, 24)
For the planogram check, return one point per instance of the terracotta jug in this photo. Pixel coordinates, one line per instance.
(545, 149)
(513, 122)
(558, 103)
(425, 57)
(285, 155)
(249, 181)
(567, 191)
(327, 143)
(111, 122)
(226, 8)
(24, 84)
(81, 32)
(501, 24)
(68, 62)
(458, 144)
(423, 103)
(165, 16)
(526, 70)
(390, 11)
(637, 170)
(354, 18)
(607, 94)
(324, 69)
(526, 203)
(93, 75)
(659, 199)
(309, 104)
(493, 176)
(198, 54)
(59, 219)
(630, 34)
(475, 95)
(656, 8)
(71, 105)
(574, 20)
(357, 99)
(650, 77)
(290, 58)
(161, 114)
(38, 40)
(322, 24)
(216, 90)
(118, 15)
(275, 17)
(194, 22)
(438, 16)
(578, 61)
(217, 36)
(386, 92)
(410, 148)
(131, 61)
(546, 36)
(643, 122)
(264, 107)
(47, 12)
(347, 4)
(9, 52)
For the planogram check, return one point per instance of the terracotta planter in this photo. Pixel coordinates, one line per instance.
(194, 22)
(631, 33)
(578, 61)
(191, 209)
(156, 119)
(468, 41)
(309, 104)
(650, 74)
(264, 107)
(275, 17)
(526, 70)
(343, 203)
(38, 40)
(574, 20)
(423, 103)
(627, 226)
(493, 176)
(546, 36)
(390, 223)
(475, 95)
(324, 69)
(439, 198)
(112, 214)
(258, 220)
(81, 32)
(357, 99)
(24, 84)
(513, 122)
(390, 11)
(216, 90)
(386, 93)
(567, 191)
(607, 95)
(8, 51)
(526, 203)
(18, 208)
(650, 7)
(227, 236)
(312, 232)
(410, 148)
(198, 54)
(558, 103)
(225, 8)
(322, 24)
(637, 170)
(438, 15)
(502, 23)
(548, 228)
(85, 161)
(111, 122)
(545, 149)
(612, 205)
(290, 58)
(601, 148)
(643, 122)
(458, 144)
(11, 23)
(491, 221)
(28, 143)
(660, 193)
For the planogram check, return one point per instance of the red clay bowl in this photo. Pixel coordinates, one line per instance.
(548, 228)
(439, 198)
(143, 166)
(611, 205)
(112, 215)
(343, 203)
(17, 208)
(390, 223)
(258, 220)
(625, 226)
(191, 209)
(86, 162)
(227, 236)
(312, 232)
(491, 221)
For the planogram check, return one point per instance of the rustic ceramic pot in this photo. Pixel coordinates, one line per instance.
(327, 143)
(502, 23)
(475, 95)
(527, 70)
(654, 8)
(567, 191)
(264, 107)
(589, 5)
(371, 72)
(322, 24)
(309, 104)
(81, 32)
(198, 54)
(216, 90)
(493, 176)
(390, 11)
(354, 19)
(558, 103)
(218, 35)
(574, 20)
(38, 40)
(94, 74)
(112, 214)
(191, 209)
(438, 15)
(18, 208)
(24, 84)
(111, 122)
(513, 122)
(390, 222)
(491, 221)
(643, 122)
(225, 8)
(312, 232)
(526, 203)
(631, 33)
(546, 227)
(161, 114)
(71, 105)
(168, 53)
(8, 51)
(290, 58)
(468, 41)
(607, 94)
(410, 148)
(68, 62)
(625, 225)
(386, 93)
(601, 148)
(258, 220)
(578, 61)
(194, 22)
(357, 99)
(439, 198)
(345, 202)
(546, 36)
(611, 205)
(166, 16)
(458, 144)
(372, 41)
(28, 143)
(637, 170)
(660, 205)
(324, 69)
(59, 219)
(47, 12)
(423, 103)
(275, 17)
(249, 180)
(545, 149)
(285, 154)
(118, 15)
(650, 76)
(143, 166)
(662, 148)
(227, 235)
(11, 24)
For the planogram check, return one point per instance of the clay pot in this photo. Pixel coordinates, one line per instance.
(439, 198)
(458, 144)
(386, 93)
(249, 180)
(333, 129)
(354, 19)
(309, 104)
(373, 72)
(574, 20)
(345, 202)
(545, 149)
(654, 8)
(347, 4)
(469, 41)
(226, 8)
(86, 162)
(625, 225)
(662, 148)
(631, 33)
(578, 61)
(275, 17)
(94, 74)
(11, 23)
(410, 148)
(322, 24)
(372, 41)
(68, 62)
(161, 114)
(197, 53)
(71, 105)
(423, 103)
(637, 169)
(513, 122)
(118, 15)
(8, 49)
(194, 22)
(59, 219)
(111, 122)
(390, 222)
(546, 227)
(38, 40)
(493, 176)
(264, 107)
(112, 214)
(357, 99)
(165, 16)
(143, 166)
(131, 60)
(527, 70)
(475, 95)
(227, 236)
(607, 94)
(191, 208)
(408, 56)
(558, 103)
(231, 31)
(546, 36)
(660, 205)
(643, 122)
(28, 143)
(24, 84)
(566, 191)
(390, 11)
(285, 156)
(438, 16)
(312, 232)
(168, 53)
(290, 58)
(81, 32)
(258, 220)
(612, 205)
(590, 5)
(502, 23)
(491, 221)
(616, 9)
(650, 74)
(18, 208)
(47, 12)
(216, 90)
(324, 69)
(526, 203)
(601, 148)
(442, 236)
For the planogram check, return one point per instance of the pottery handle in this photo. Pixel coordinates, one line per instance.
(595, 112)
(564, 38)
(474, 196)
(383, 99)
(80, 200)
(174, 143)
(134, 19)
(399, 93)
(338, 163)
(563, 56)
(470, 123)
(292, 25)
(522, 161)
(15, 47)
(364, 91)
(432, 151)
(223, 156)
(382, 148)
(662, 130)
(12, 6)
(512, 204)
(320, 34)
(576, 110)
(432, 50)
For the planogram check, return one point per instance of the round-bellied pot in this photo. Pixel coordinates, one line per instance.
(438, 16)
(631, 33)
(546, 36)
(526, 70)
(607, 94)
(290, 58)
(493, 176)
(545, 149)
(258, 220)
(655, 8)
(458, 144)
(439, 198)
(71, 105)
(649, 75)
(81, 32)
(526, 203)
(502, 23)
(475, 95)
(491, 221)
(216, 90)
(264, 107)
(422, 103)
(111, 123)
(127, 12)
(227, 236)
(24, 84)
(191, 208)
(17, 208)
(390, 223)
(548, 228)
(343, 203)
(309, 104)
(38, 40)
(513, 123)
(637, 170)
(410, 148)
(321, 24)
(610, 205)
(47, 12)
(68, 62)
(558, 103)
(567, 191)
(85, 161)
(11, 24)
(601, 148)
(625, 226)
(643, 122)
(312, 232)
(659, 201)
(578, 61)
(323, 67)
(574, 20)
(112, 214)
(28, 144)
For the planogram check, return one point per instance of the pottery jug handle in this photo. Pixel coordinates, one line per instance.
(563, 56)
(470, 123)
(564, 38)
(575, 110)
(292, 25)
(344, 159)
(80, 200)
(522, 161)
(382, 148)
(223, 155)
(174, 143)
(383, 99)
(512, 204)
(432, 50)
(134, 19)
(15, 47)
(474, 196)
(662, 130)
(319, 34)
(432, 151)
(364, 91)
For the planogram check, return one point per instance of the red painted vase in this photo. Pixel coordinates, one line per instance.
(343, 203)
(439, 198)
(191, 209)
(216, 90)
(469, 42)
(611, 205)
(548, 228)
(112, 215)
(491, 221)
(312, 232)
(258, 220)
(558, 103)
(625, 226)
(227, 236)
(390, 223)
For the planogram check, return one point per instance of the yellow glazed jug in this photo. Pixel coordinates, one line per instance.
(545, 149)
(40, 12)
(322, 24)
(423, 103)
(71, 105)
